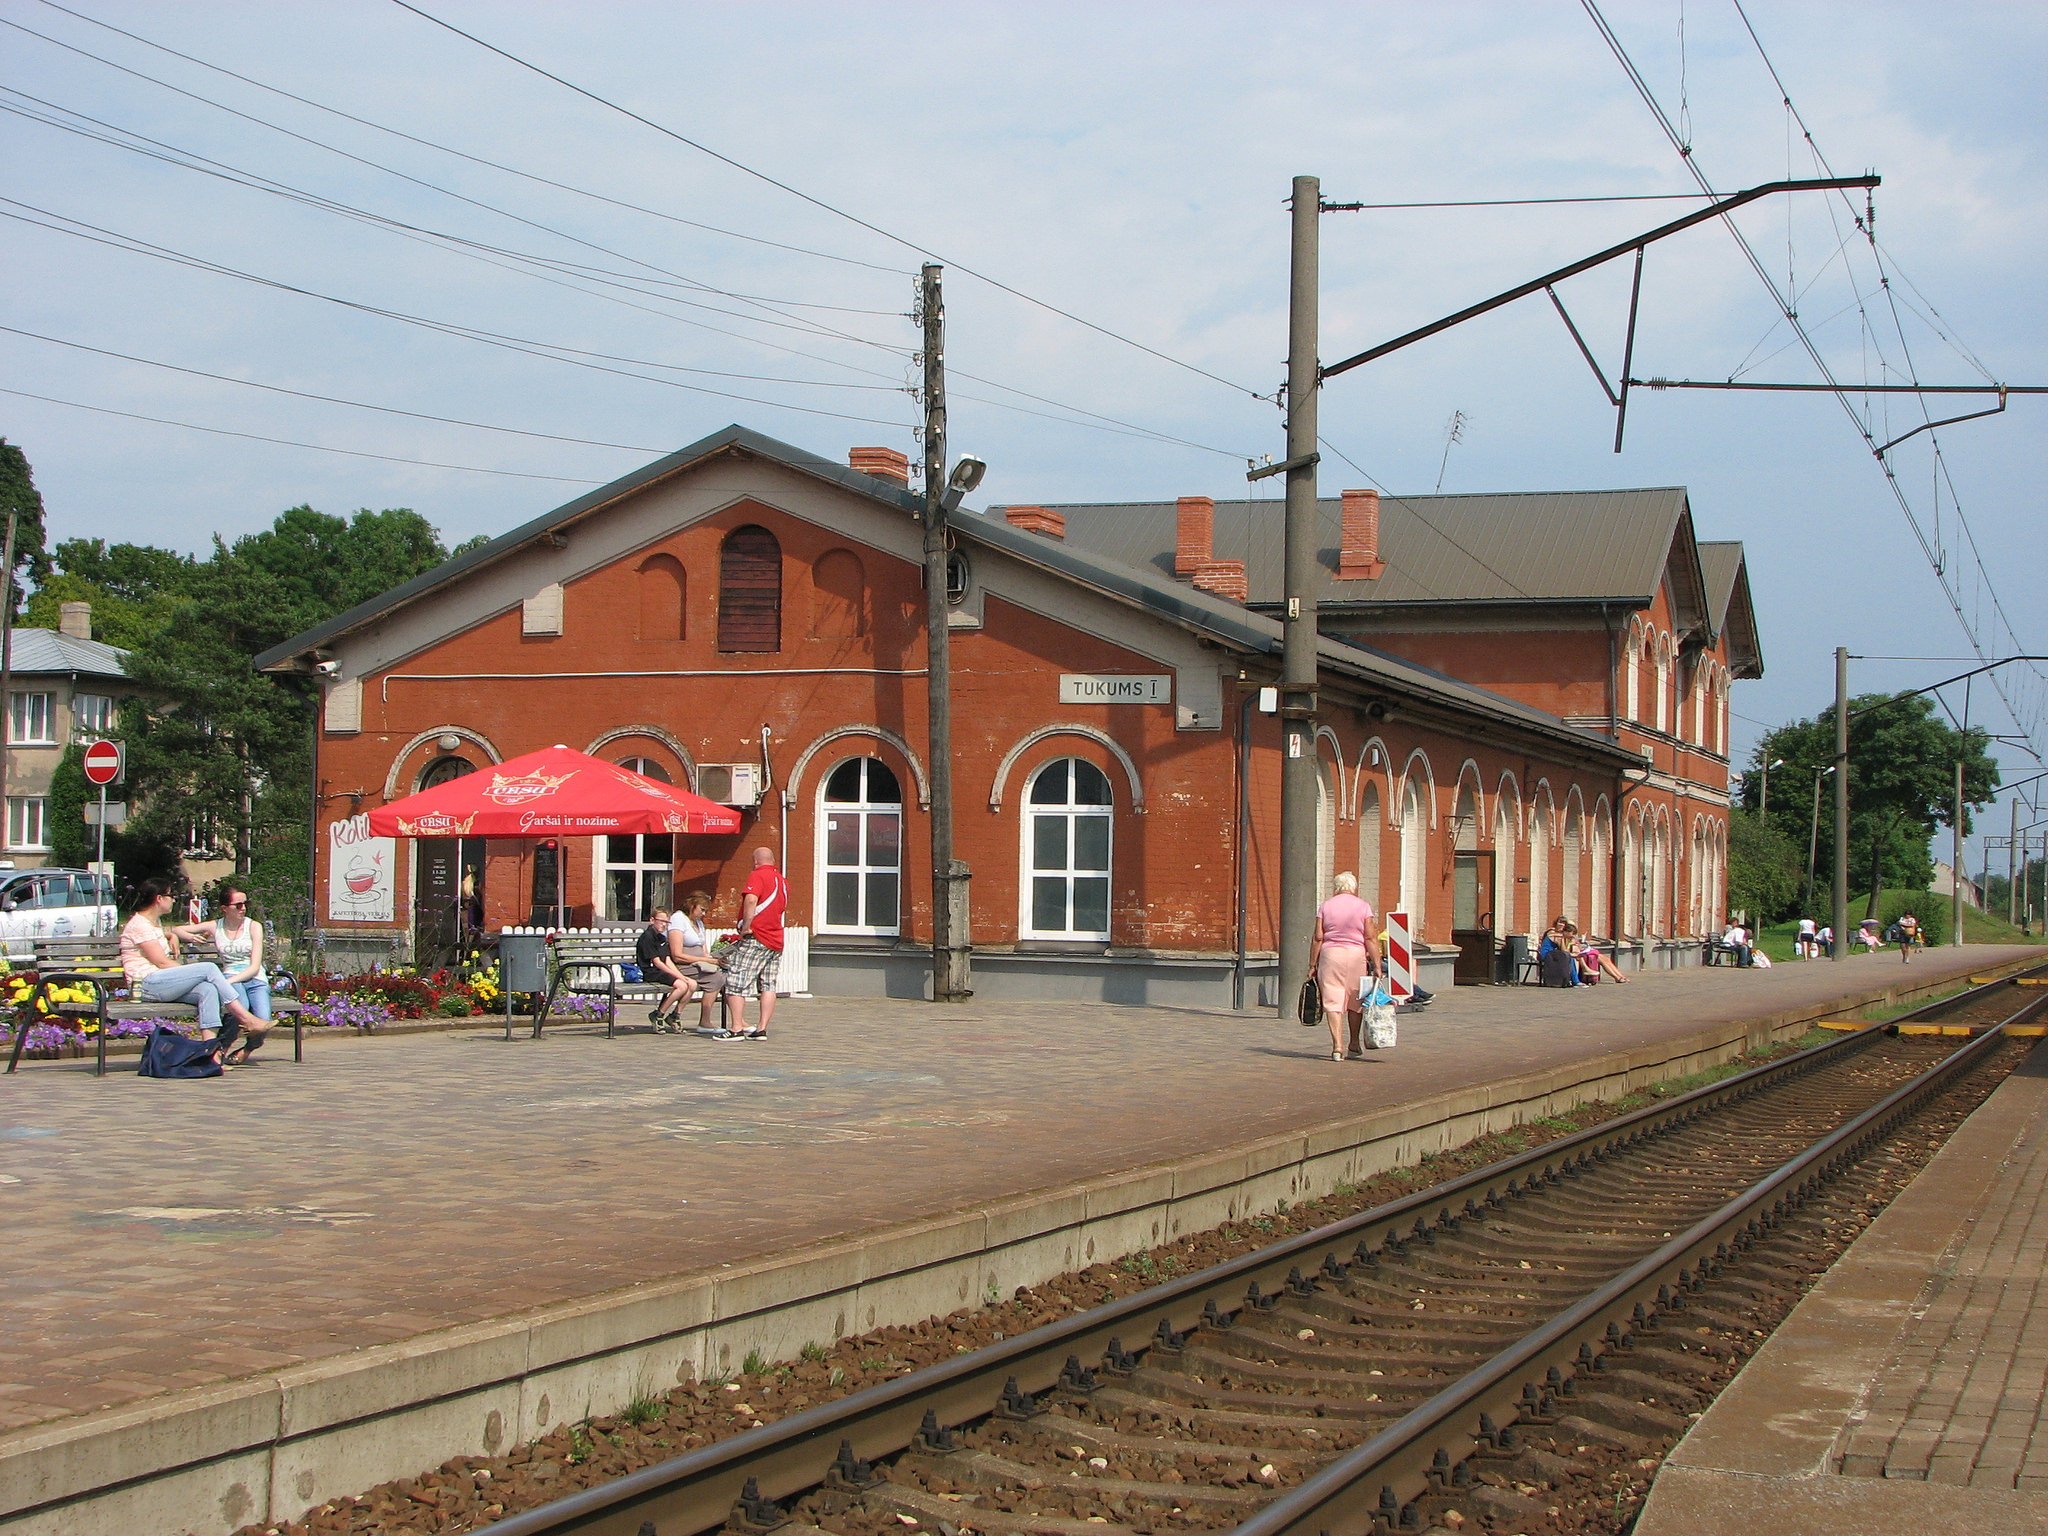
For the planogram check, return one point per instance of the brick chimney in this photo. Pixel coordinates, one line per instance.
(1358, 544)
(75, 619)
(882, 463)
(1224, 578)
(1037, 520)
(1194, 534)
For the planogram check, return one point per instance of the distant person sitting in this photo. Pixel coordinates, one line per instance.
(1824, 940)
(1867, 935)
(146, 960)
(1736, 941)
(1555, 964)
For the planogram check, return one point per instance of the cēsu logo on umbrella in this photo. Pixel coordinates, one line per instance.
(435, 824)
(524, 788)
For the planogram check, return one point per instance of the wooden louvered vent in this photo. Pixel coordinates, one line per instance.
(750, 591)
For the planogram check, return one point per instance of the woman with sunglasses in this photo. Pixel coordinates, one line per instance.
(239, 938)
(157, 977)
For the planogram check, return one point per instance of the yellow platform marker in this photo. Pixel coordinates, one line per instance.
(2030, 981)
(1843, 1024)
(2027, 1031)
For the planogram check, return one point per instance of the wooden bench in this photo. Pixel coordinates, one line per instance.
(587, 964)
(97, 961)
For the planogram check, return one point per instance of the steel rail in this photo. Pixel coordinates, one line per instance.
(1343, 1499)
(698, 1490)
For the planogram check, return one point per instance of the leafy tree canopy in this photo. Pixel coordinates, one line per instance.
(1902, 759)
(219, 756)
(18, 495)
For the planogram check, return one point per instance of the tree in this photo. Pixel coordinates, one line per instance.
(1766, 869)
(18, 495)
(219, 755)
(1901, 786)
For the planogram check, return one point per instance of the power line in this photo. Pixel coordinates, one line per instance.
(134, 246)
(828, 207)
(353, 453)
(361, 405)
(471, 248)
(473, 159)
(1788, 308)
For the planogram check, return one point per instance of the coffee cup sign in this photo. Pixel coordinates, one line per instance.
(1115, 688)
(361, 884)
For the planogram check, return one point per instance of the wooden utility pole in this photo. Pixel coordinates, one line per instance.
(949, 886)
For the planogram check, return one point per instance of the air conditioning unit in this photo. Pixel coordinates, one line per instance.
(737, 784)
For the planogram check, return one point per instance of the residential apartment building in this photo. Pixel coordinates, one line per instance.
(67, 686)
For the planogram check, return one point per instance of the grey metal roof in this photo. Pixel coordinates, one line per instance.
(1728, 603)
(1524, 546)
(49, 650)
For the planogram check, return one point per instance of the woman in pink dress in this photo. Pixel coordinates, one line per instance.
(1347, 949)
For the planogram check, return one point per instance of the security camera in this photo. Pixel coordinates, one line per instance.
(327, 669)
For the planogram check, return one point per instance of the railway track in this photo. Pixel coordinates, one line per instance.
(1450, 1358)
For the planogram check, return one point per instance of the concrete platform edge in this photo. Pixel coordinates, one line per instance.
(267, 1447)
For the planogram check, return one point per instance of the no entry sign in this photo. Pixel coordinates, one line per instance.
(105, 762)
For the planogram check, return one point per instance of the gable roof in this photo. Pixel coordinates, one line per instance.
(1228, 623)
(50, 650)
(1512, 547)
(733, 439)
(1728, 604)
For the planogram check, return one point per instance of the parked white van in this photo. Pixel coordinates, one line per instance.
(52, 904)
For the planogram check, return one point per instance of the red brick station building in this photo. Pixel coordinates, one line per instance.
(1524, 712)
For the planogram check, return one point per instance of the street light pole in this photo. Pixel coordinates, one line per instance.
(1841, 915)
(1955, 868)
(1298, 666)
(1813, 839)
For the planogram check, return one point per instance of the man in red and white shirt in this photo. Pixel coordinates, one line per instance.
(755, 964)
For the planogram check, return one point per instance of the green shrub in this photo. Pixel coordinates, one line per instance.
(455, 1005)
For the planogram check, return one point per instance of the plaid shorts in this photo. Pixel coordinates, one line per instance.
(753, 967)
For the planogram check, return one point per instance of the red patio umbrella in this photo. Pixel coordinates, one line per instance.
(552, 793)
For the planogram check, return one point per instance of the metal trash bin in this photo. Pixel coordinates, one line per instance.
(523, 962)
(1514, 955)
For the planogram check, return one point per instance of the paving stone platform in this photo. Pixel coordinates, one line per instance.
(387, 1187)
(1907, 1390)
(222, 1242)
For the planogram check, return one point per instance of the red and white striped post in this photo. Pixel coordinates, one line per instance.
(1400, 958)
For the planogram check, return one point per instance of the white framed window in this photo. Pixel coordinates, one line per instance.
(92, 714)
(32, 722)
(27, 827)
(1067, 835)
(639, 868)
(860, 849)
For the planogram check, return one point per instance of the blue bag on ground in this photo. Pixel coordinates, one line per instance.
(167, 1053)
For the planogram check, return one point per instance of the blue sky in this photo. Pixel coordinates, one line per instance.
(1127, 164)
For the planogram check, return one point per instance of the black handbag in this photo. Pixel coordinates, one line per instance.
(1310, 1006)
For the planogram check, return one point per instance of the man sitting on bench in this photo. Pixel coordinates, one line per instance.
(157, 979)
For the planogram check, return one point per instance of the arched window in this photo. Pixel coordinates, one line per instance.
(1539, 867)
(750, 591)
(1326, 827)
(1632, 664)
(1066, 851)
(1574, 853)
(860, 848)
(1369, 829)
(442, 769)
(1601, 918)
(639, 869)
(1414, 853)
(662, 587)
(1663, 685)
(1503, 865)
(839, 606)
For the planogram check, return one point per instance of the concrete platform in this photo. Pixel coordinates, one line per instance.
(229, 1299)
(1906, 1391)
